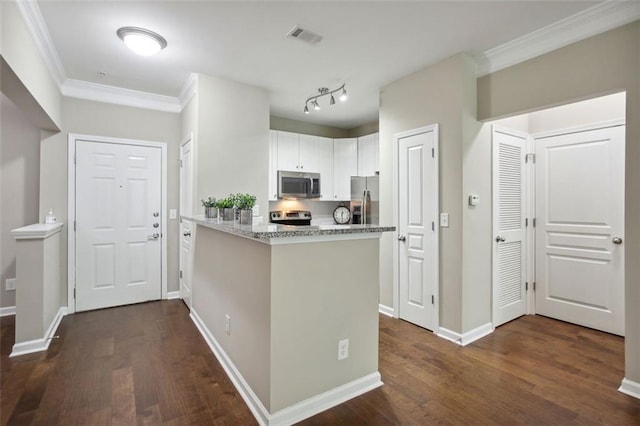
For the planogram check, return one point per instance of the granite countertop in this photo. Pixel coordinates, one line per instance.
(268, 231)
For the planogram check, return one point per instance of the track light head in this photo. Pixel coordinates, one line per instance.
(323, 91)
(332, 101)
(306, 109)
(315, 105)
(343, 96)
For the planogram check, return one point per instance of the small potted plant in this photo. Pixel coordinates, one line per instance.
(210, 208)
(226, 205)
(244, 203)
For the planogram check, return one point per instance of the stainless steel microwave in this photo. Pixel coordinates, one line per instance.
(296, 185)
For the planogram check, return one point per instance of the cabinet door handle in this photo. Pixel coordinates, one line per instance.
(499, 239)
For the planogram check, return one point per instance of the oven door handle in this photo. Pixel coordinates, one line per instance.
(311, 181)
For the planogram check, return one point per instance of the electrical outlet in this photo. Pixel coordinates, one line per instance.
(10, 284)
(343, 349)
(227, 324)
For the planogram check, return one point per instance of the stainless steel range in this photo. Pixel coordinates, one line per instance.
(290, 217)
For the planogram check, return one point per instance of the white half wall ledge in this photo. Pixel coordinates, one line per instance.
(386, 310)
(629, 387)
(37, 231)
(296, 412)
(7, 311)
(466, 338)
(39, 345)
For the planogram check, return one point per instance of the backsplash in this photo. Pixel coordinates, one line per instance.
(321, 211)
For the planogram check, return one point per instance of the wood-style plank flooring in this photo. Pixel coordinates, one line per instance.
(147, 364)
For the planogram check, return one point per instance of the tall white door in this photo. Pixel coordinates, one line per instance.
(118, 224)
(186, 227)
(417, 232)
(580, 228)
(509, 244)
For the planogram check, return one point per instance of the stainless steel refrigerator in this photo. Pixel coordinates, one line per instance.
(365, 197)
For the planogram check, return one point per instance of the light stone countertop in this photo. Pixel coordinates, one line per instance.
(283, 234)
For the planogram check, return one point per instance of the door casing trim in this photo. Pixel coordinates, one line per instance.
(71, 208)
(436, 171)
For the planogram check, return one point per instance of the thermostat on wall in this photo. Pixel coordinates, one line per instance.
(474, 200)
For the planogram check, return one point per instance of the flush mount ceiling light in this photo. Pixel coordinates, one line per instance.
(323, 91)
(142, 41)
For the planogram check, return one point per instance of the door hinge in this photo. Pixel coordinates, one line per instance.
(74, 226)
(534, 222)
(433, 153)
(526, 222)
(534, 286)
(180, 162)
(433, 299)
(526, 286)
(75, 158)
(433, 226)
(74, 293)
(180, 274)
(531, 157)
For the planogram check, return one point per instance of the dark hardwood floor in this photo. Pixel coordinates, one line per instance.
(147, 364)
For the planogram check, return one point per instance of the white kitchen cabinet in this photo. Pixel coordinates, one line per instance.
(345, 165)
(325, 168)
(297, 153)
(273, 165)
(368, 155)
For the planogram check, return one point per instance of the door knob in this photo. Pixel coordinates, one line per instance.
(402, 238)
(616, 240)
(155, 225)
(153, 236)
(499, 239)
(156, 214)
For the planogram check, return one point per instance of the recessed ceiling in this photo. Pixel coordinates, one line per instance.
(364, 44)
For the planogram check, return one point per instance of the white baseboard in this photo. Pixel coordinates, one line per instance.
(465, 338)
(386, 310)
(296, 412)
(630, 388)
(7, 311)
(173, 295)
(39, 345)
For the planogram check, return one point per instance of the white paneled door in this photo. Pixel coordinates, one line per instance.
(509, 261)
(417, 232)
(580, 230)
(118, 246)
(186, 227)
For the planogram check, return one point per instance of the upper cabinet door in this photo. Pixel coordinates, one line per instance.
(345, 165)
(308, 153)
(273, 165)
(368, 155)
(288, 151)
(325, 168)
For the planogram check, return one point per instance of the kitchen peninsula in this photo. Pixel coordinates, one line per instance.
(279, 305)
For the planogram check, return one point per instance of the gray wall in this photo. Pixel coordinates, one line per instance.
(99, 119)
(19, 186)
(232, 153)
(295, 126)
(445, 94)
(607, 63)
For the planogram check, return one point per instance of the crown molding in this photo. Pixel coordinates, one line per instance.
(590, 22)
(119, 96)
(36, 25)
(189, 89)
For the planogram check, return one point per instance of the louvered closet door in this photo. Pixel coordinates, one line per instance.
(509, 261)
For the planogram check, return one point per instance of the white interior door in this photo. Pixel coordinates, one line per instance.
(186, 227)
(580, 212)
(118, 224)
(509, 207)
(417, 232)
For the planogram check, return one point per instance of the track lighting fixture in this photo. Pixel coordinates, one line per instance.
(323, 91)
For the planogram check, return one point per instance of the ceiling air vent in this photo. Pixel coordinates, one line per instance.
(304, 35)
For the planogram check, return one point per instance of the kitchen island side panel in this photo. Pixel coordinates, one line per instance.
(231, 276)
(321, 293)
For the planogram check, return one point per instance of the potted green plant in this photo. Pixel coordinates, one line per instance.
(210, 207)
(244, 204)
(226, 205)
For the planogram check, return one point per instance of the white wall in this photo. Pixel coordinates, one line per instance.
(19, 185)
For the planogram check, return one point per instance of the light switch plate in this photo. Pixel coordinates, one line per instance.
(444, 220)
